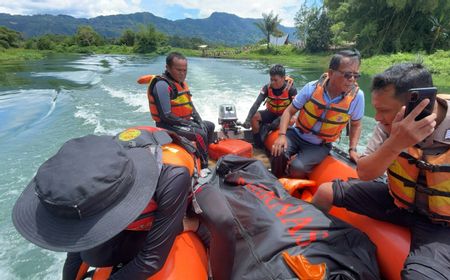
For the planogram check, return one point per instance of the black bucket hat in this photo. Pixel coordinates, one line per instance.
(87, 193)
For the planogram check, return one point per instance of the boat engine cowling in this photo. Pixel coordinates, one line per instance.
(228, 119)
(227, 114)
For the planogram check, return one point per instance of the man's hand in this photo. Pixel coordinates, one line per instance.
(246, 124)
(279, 146)
(354, 156)
(406, 131)
(289, 84)
(190, 224)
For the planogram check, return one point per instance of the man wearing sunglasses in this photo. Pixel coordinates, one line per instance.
(325, 108)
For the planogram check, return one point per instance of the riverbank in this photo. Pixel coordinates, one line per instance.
(286, 55)
(20, 54)
(438, 62)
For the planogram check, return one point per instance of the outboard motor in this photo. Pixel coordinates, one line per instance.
(228, 119)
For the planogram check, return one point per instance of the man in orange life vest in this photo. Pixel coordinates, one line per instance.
(106, 202)
(278, 95)
(416, 156)
(326, 106)
(171, 106)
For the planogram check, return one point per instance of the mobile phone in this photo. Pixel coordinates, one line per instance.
(416, 95)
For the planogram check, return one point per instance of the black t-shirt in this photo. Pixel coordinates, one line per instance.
(143, 251)
(263, 94)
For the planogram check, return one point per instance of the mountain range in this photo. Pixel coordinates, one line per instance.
(219, 27)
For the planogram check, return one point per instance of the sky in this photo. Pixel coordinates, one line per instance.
(170, 9)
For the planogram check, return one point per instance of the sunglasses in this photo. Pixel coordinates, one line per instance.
(349, 75)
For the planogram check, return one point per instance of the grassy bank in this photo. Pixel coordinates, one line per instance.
(20, 54)
(285, 55)
(438, 63)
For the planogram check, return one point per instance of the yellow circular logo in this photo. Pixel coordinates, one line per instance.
(129, 134)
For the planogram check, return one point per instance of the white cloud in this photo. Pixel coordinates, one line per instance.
(76, 8)
(188, 15)
(286, 9)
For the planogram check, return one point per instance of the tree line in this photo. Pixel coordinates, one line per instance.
(376, 26)
(146, 40)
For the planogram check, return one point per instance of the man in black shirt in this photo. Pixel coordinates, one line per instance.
(172, 108)
(277, 96)
(107, 203)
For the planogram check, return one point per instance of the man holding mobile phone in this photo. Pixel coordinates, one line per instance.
(415, 153)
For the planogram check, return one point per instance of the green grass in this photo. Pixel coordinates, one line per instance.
(186, 52)
(438, 63)
(20, 54)
(106, 49)
(286, 55)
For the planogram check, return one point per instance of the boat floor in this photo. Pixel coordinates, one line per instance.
(258, 154)
(244, 135)
(263, 155)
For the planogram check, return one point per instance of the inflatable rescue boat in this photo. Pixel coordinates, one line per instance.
(188, 259)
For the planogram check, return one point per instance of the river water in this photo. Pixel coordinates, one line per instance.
(44, 103)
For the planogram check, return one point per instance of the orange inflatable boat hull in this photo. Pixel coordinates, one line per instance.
(173, 153)
(145, 79)
(392, 241)
(187, 260)
(230, 147)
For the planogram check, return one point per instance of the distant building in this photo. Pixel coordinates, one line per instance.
(203, 48)
(279, 41)
(297, 43)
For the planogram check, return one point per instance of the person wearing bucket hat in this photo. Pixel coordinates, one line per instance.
(84, 199)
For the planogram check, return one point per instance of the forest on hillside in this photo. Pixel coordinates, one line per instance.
(146, 40)
(372, 26)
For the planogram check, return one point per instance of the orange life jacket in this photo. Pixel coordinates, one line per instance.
(174, 152)
(180, 98)
(277, 104)
(334, 116)
(403, 175)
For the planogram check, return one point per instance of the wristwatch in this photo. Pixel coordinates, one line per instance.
(352, 149)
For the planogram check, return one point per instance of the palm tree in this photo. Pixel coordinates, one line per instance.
(269, 25)
(438, 29)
